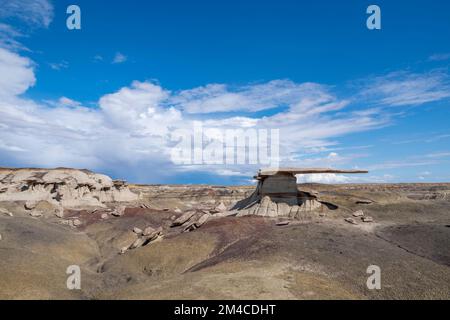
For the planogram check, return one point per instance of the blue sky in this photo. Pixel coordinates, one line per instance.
(107, 97)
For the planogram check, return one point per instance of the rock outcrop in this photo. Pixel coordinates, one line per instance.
(69, 188)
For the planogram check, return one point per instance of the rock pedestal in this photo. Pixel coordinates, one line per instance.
(277, 195)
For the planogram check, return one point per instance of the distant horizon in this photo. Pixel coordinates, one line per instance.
(254, 181)
(117, 95)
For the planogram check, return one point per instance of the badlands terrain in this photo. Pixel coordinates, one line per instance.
(200, 242)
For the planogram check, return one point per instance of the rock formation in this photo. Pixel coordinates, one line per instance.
(276, 194)
(69, 188)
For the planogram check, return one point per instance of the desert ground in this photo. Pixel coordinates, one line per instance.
(138, 243)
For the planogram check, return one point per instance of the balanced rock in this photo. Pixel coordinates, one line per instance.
(277, 195)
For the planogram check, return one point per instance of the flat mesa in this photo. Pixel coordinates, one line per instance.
(274, 171)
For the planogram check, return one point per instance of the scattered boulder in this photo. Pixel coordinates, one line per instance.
(177, 210)
(364, 201)
(152, 236)
(30, 205)
(1, 238)
(77, 223)
(104, 216)
(367, 219)
(6, 212)
(118, 212)
(65, 222)
(358, 213)
(282, 223)
(137, 230)
(226, 213)
(202, 220)
(148, 231)
(183, 219)
(138, 243)
(60, 212)
(148, 235)
(36, 214)
(221, 207)
(350, 220)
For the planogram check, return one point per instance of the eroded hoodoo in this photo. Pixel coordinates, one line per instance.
(277, 195)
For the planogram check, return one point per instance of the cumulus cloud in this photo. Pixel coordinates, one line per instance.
(130, 129)
(16, 74)
(129, 132)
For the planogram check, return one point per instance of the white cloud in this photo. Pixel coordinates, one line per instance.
(407, 89)
(31, 14)
(438, 155)
(277, 93)
(439, 57)
(68, 103)
(401, 164)
(322, 178)
(36, 13)
(16, 74)
(129, 132)
(59, 65)
(119, 58)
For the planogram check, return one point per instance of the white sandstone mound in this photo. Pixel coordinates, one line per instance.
(69, 188)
